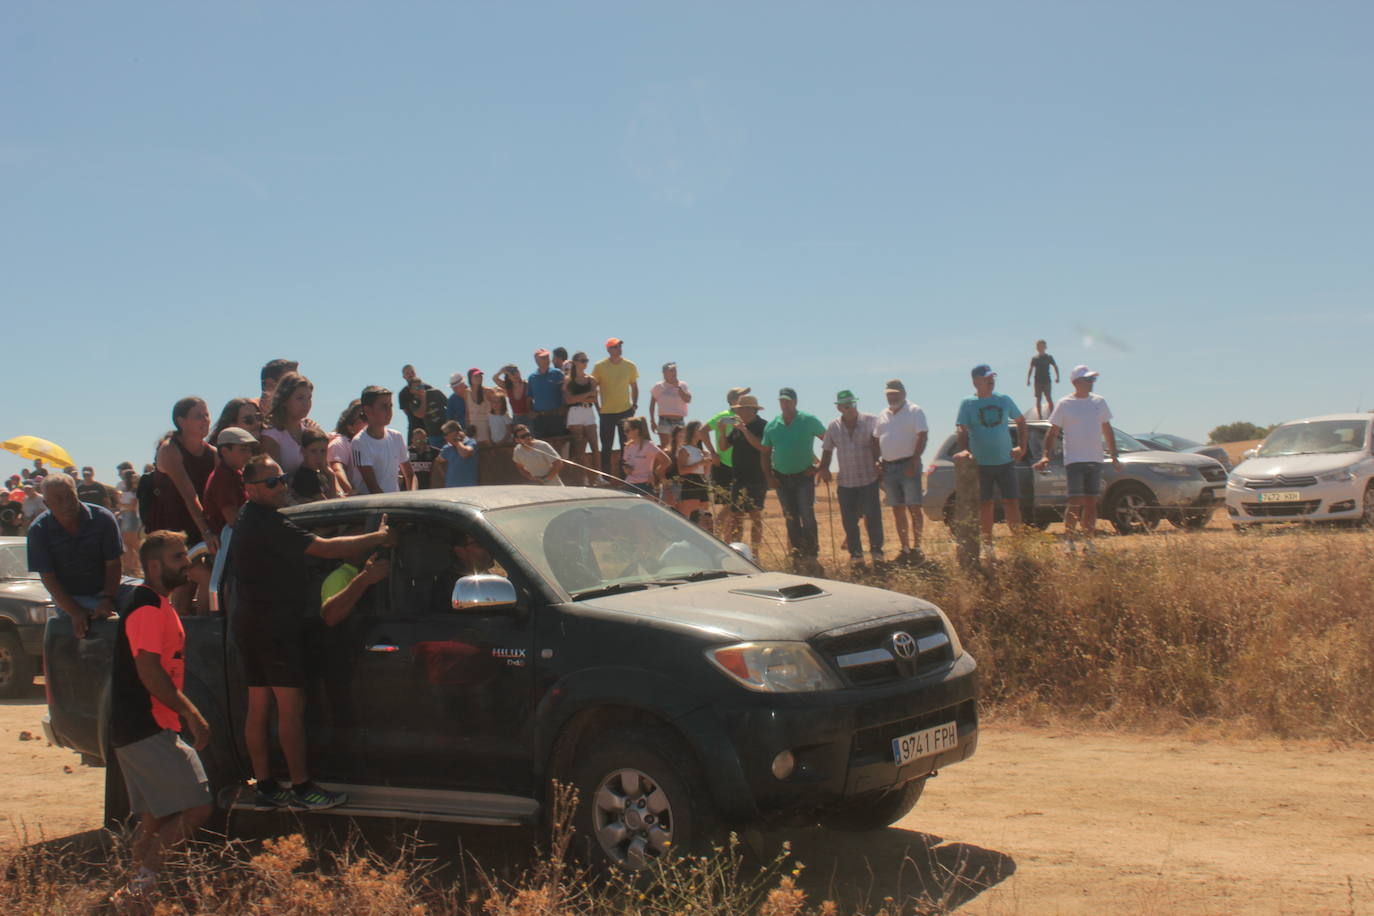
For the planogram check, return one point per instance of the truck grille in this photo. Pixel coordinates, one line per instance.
(1215, 475)
(1269, 483)
(871, 657)
(1301, 507)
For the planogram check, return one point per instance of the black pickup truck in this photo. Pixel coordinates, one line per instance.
(604, 641)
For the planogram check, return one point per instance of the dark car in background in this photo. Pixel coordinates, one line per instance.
(1168, 442)
(25, 607)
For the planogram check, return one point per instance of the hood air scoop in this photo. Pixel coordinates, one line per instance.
(798, 592)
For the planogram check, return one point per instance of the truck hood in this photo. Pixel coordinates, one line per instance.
(763, 606)
(1296, 465)
(30, 590)
(1155, 456)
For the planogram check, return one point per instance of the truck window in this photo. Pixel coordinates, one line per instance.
(428, 560)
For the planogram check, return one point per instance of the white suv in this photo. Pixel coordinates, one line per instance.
(1320, 469)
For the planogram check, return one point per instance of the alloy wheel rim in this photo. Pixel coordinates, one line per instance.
(632, 818)
(1130, 511)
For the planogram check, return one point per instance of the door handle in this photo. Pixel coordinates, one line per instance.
(384, 648)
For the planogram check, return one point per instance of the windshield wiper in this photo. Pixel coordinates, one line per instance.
(611, 590)
(704, 574)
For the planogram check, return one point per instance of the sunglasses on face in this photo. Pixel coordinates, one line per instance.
(252, 418)
(272, 483)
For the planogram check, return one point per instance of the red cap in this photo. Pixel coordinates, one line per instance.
(614, 342)
(541, 352)
(472, 372)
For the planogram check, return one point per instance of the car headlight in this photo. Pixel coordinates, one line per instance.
(1172, 470)
(1341, 475)
(954, 642)
(774, 667)
(41, 613)
(1237, 482)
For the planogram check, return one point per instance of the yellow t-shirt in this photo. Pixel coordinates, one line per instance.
(614, 381)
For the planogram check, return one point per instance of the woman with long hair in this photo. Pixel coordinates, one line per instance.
(579, 394)
(517, 392)
(693, 453)
(291, 403)
(240, 412)
(340, 450)
(643, 462)
(478, 399)
(499, 422)
(130, 529)
(184, 463)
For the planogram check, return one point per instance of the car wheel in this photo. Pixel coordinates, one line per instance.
(877, 812)
(641, 795)
(949, 512)
(1190, 519)
(1367, 515)
(16, 666)
(1131, 508)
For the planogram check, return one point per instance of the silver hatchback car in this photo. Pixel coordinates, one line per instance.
(1151, 485)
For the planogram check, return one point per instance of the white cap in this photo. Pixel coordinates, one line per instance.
(457, 377)
(1081, 371)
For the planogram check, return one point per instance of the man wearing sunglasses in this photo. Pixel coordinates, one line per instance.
(273, 590)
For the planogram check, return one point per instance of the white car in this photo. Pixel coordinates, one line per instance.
(1320, 469)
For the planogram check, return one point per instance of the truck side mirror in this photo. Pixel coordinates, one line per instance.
(743, 550)
(483, 593)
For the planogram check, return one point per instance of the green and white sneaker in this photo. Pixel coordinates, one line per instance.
(314, 797)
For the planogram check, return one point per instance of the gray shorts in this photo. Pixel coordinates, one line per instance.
(163, 774)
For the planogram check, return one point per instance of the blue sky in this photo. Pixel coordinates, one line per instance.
(805, 194)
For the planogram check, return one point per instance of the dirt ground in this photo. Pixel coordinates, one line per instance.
(1041, 820)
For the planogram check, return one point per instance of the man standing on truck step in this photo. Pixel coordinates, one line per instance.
(163, 774)
(75, 548)
(985, 435)
(1084, 420)
(273, 590)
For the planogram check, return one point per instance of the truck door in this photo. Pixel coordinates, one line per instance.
(443, 694)
(1051, 484)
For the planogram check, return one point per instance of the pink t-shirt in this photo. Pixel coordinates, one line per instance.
(157, 628)
(639, 461)
(669, 399)
(340, 449)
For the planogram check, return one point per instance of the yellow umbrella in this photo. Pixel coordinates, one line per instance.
(34, 447)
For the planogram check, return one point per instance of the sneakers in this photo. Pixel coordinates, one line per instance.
(268, 796)
(314, 797)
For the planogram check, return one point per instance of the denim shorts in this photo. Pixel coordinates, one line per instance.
(900, 489)
(1085, 478)
(999, 476)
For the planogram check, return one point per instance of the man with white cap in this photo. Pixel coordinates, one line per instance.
(984, 437)
(1084, 420)
(902, 431)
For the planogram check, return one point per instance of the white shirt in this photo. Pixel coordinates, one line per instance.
(1081, 420)
(385, 456)
(898, 429)
(669, 398)
(537, 459)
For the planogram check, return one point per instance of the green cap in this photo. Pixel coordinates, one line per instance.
(845, 397)
(788, 393)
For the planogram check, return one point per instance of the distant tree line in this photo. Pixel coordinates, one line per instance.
(1239, 431)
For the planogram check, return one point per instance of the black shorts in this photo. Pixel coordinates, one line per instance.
(694, 487)
(721, 479)
(1042, 387)
(748, 495)
(273, 657)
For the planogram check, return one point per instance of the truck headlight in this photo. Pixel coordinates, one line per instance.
(1172, 470)
(41, 613)
(774, 667)
(955, 645)
(1341, 475)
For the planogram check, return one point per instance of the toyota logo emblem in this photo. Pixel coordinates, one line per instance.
(903, 644)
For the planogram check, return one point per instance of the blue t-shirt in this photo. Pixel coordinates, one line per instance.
(457, 410)
(546, 389)
(460, 471)
(77, 560)
(987, 420)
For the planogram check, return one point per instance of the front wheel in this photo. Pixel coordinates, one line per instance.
(1191, 519)
(640, 795)
(16, 666)
(1131, 509)
(1367, 513)
(877, 812)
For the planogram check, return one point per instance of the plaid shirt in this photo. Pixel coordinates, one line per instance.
(854, 448)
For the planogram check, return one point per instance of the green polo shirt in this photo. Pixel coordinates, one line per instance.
(713, 425)
(337, 581)
(793, 444)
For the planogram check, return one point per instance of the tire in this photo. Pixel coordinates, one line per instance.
(1190, 519)
(877, 812)
(116, 794)
(640, 794)
(16, 666)
(1367, 515)
(1129, 507)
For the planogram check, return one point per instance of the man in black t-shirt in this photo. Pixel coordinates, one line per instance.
(748, 483)
(273, 592)
(90, 490)
(1040, 366)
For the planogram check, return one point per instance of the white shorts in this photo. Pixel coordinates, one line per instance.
(582, 415)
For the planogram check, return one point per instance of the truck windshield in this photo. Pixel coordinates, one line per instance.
(1322, 437)
(594, 545)
(14, 562)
